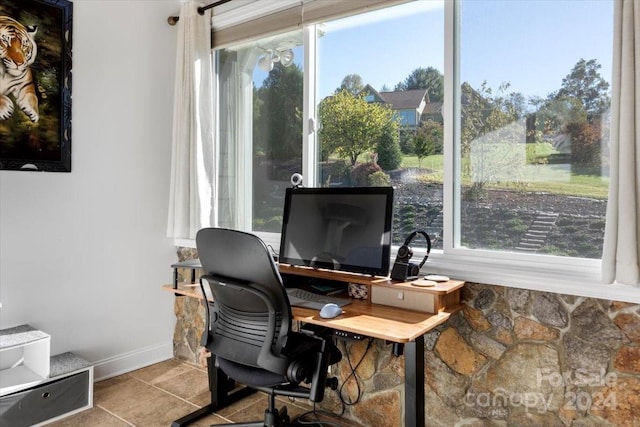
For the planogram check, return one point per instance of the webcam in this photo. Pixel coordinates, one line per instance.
(296, 180)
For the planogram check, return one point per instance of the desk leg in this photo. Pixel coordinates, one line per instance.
(414, 383)
(220, 386)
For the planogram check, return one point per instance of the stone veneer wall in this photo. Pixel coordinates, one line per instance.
(510, 357)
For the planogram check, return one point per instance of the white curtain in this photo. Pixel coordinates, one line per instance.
(192, 202)
(621, 252)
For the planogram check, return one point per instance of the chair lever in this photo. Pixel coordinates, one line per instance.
(332, 383)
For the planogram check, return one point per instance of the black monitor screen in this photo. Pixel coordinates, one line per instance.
(338, 228)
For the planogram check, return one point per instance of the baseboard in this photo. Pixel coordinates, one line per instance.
(127, 362)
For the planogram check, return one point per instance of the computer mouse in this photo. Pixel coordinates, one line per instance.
(330, 310)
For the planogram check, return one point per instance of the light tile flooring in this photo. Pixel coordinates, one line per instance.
(159, 394)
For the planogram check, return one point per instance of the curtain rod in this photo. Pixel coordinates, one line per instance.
(172, 20)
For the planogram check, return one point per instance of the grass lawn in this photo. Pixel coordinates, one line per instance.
(548, 178)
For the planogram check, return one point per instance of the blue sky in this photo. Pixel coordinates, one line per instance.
(532, 45)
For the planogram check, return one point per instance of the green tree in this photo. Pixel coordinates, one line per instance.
(428, 140)
(425, 78)
(279, 102)
(351, 83)
(389, 154)
(585, 83)
(350, 125)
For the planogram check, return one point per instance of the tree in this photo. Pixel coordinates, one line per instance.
(425, 78)
(585, 144)
(428, 140)
(350, 125)
(351, 83)
(389, 154)
(483, 112)
(576, 112)
(491, 135)
(279, 102)
(585, 83)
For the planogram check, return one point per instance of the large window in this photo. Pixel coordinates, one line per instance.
(533, 131)
(490, 119)
(260, 86)
(380, 85)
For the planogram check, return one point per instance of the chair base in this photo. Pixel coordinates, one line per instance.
(273, 417)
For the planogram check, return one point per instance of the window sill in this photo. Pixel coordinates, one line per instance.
(579, 280)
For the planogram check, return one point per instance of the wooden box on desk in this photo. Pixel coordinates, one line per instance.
(411, 296)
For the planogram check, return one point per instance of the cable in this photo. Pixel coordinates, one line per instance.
(302, 421)
(301, 418)
(353, 375)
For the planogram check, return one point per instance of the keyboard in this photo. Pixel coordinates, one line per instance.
(301, 298)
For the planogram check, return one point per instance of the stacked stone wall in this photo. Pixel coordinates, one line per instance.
(511, 357)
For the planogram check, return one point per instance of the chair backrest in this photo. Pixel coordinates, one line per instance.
(251, 311)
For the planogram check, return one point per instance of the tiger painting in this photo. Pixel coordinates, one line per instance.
(18, 52)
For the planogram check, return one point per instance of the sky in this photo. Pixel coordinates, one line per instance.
(384, 47)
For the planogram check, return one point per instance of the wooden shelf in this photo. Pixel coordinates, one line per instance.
(339, 276)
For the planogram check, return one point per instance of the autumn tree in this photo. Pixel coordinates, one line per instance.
(350, 126)
(576, 110)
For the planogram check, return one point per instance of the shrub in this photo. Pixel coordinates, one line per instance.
(379, 179)
(585, 143)
(360, 174)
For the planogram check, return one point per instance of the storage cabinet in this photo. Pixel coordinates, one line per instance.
(36, 388)
(24, 358)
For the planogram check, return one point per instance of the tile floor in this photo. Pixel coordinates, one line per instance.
(161, 393)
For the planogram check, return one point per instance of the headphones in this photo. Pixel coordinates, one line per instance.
(403, 269)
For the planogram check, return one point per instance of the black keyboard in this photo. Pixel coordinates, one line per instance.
(301, 298)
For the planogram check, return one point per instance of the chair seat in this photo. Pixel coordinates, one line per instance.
(249, 375)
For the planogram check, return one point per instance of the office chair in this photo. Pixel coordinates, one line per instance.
(249, 324)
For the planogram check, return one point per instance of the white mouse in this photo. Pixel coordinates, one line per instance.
(330, 310)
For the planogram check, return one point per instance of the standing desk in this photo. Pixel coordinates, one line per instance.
(394, 324)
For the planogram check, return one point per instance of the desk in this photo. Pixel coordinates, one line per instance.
(397, 325)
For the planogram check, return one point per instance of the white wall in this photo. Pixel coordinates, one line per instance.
(83, 255)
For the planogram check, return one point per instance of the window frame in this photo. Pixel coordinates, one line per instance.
(563, 275)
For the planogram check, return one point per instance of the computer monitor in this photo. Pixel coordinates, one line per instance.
(338, 228)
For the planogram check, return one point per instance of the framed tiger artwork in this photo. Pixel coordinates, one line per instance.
(35, 85)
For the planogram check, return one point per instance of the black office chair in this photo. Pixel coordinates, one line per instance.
(249, 331)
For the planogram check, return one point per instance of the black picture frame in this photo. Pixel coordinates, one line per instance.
(43, 144)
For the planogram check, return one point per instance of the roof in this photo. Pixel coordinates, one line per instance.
(433, 108)
(405, 99)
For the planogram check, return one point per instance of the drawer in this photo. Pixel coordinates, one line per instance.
(45, 401)
(403, 298)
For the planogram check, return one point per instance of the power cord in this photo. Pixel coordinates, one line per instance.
(353, 376)
(301, 419)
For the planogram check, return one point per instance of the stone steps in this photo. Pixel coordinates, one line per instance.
(537, 233)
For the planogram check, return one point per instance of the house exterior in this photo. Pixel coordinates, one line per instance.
(409, 105)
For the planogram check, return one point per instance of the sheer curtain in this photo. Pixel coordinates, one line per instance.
(192, 200)
(621, 252)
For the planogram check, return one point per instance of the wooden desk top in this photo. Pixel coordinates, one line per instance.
(360, 317)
